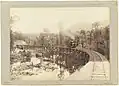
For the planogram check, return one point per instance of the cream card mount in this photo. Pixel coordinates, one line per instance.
(59, 43)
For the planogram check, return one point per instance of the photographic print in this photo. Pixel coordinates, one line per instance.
(60, 43)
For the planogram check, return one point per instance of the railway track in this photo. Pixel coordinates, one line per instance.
(98, 72)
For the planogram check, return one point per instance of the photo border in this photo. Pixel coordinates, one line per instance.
(5, 40)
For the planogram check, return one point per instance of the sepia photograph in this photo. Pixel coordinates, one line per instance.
(60, 43)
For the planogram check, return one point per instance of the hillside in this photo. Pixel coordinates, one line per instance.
(72, 30)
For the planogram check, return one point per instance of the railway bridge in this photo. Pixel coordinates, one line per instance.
(98, 68)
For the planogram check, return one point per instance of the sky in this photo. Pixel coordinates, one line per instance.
(33, 20)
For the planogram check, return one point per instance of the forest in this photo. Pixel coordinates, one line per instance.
(96, 39)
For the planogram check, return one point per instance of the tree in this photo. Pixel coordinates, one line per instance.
(11, 34)
(95, 25)
(18, 36)
(13, 18)
(77, 39)
(106, 35)
(96, 33)
(83, 37)
(11, 40)
(88, 33)
(106, 38)
(42, 40)
(68, 41)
